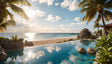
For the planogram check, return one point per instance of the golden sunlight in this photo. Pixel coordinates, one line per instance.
(30, 36)
(29, 53)
(29, 12)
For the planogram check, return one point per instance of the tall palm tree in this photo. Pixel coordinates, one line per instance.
(96, 7)
(6, 17)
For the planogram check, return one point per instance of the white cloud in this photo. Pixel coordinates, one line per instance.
(50, 18)
(72, 5)
(33, 12)
(40, 13)
(66, 3)
(49, 2)
(72, 24)
(34, 0)
(77, 18)
(56, 4)
(58, 18)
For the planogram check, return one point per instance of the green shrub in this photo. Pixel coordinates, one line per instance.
(59, 42)
(93, 37)
(2, 38)
(104, 47)
(14, 38)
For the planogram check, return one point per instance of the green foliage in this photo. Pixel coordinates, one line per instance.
(104, 47)
(2, 38)
(59, 42)
(6, 15)
(93, 37)
(14, 38)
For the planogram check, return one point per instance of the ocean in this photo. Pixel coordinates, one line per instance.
(38, 36)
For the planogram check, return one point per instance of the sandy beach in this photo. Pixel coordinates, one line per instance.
(51, 41)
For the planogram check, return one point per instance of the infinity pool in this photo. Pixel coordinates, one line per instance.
(63, 53)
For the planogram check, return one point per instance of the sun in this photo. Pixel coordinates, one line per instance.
(29, 12)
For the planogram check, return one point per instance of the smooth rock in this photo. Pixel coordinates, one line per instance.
(3, 55)
(91, 51)
(82, 50)
(84, 33)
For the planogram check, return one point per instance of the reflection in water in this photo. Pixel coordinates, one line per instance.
(29, 53)
(85, 42)
(49, 62)
(12, 56)
(64, 53)
(51, 48)
(30, 36)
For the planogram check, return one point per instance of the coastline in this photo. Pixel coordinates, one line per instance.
(52, 41)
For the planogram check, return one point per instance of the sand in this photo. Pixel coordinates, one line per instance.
(51, 41)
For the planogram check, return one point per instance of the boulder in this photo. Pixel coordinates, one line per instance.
(91, 51)
(3, 55)
(82, 50)
(85, 33)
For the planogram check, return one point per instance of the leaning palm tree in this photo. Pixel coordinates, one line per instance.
(96, 7)
(6, 15)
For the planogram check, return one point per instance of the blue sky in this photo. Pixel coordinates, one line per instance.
(51, 16)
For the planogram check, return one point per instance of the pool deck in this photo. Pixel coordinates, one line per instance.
(52, 41)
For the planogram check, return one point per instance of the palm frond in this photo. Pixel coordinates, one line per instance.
(108, 5)
(10, 14)
(23, 2)
(18, 10)
(82, 3)
(6, 24)
(98, 18)
(3, 16)
(106, 17)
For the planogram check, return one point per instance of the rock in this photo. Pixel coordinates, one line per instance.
(21, 39)
(3, 55)
(85, 33)
(82, 50)
(91, 51)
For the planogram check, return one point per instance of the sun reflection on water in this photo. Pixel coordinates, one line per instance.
(30, 36)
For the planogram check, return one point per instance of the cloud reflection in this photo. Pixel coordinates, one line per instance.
(31, 55)
(51, 48)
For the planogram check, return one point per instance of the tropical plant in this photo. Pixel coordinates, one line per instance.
(104, 47)
(6, 15)
(2, 38)
(96, 25)
(14, 38)
(96, 7)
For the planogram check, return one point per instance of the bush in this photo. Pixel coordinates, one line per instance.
(14, 38)
(93, 37)
(2, 38)
(104, 47)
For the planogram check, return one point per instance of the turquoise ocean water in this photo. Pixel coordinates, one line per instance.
(38, 36)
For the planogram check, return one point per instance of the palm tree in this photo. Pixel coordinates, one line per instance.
(96, 25)
(96, 7)
(6, 17)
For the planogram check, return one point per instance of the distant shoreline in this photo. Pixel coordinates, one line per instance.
(51, 41)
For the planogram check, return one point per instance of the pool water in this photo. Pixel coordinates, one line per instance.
(63, 53)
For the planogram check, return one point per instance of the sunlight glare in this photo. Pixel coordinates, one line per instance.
(30, 36)
(29, 53)
(29, 12)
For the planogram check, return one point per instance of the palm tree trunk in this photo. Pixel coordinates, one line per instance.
(104, 27)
